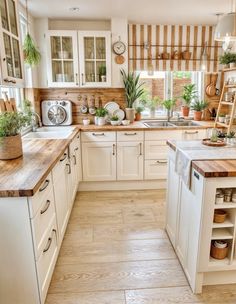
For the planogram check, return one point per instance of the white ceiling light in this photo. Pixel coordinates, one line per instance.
(226, 27)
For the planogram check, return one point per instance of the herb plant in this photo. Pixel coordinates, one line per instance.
(101, 112)
(199, 105)
(227, 58)
(32, 55)
(114, 118)
(189, 93)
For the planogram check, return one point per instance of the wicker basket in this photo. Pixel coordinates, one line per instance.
(10, 147)
(219, 216)
(219, 253)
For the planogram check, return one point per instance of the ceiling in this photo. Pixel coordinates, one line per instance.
(137, 11)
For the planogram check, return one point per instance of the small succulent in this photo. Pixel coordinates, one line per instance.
(114, 118)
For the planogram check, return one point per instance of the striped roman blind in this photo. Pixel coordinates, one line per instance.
(148, 42)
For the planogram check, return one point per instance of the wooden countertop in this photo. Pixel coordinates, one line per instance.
(23, 176)
(139, 126)
(211, 168)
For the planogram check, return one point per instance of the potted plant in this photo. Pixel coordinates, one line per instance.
(138, 111)
(221, 117)
(152, 104)
(102, 73)
(133, 91)
(101, 116)
(230, 138)
(115, 120)
(198, 106)
(11, 123)
(189, 93)
(168, 104)
(228, 59)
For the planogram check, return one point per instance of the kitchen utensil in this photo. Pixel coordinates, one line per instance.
(186, 55)
(220, 244)
(219, 216)
(176, 55)
(165, 55)
(84, 106)
(92, 108)
(120, 113)
(111, 107)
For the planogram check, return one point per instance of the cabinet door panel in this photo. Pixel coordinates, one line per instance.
(99, 161)
(156, 150)
(155, 169)
(130, 161)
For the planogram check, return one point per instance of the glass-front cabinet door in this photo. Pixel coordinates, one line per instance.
(11, 56)
(63, 59)
(95, 58)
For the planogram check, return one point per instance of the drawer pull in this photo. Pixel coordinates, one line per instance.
(46, 183)
(113, 149)
(191, 132)
(65, 155)
(48, 202)
(140, 149)
(49, 242)
(76, 149)
(75, 161)
(130, 134)
(98, 134)
(161, 162)
(69, 166)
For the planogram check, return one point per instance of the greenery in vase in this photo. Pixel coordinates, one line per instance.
(133, 88)
(101, 112)
(32, 55)
(189, 93)
(168, 104)
(115, 118)
(227, 58)
(11, 123)
(199, 105)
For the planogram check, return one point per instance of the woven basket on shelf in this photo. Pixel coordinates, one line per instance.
(219, 253)
(219, 216)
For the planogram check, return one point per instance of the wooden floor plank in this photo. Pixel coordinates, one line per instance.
(117, 276)
(138, 215)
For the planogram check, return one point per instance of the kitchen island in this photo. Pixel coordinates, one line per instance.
(190, 217)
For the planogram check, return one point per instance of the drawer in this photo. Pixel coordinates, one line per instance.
(41, 222)
(155, 169)
(156, 150)
(194, 134)
(40, 195)
(98, 136)
(130, 136)
(46, 263)
(60, 166)
(163, 135)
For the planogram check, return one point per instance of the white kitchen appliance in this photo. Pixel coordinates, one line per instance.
(56, 112)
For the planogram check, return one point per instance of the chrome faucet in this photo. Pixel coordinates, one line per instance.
(34, 124)
(169, 114)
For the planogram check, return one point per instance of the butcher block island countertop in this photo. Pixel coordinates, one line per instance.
(211, 168)
(23, 176)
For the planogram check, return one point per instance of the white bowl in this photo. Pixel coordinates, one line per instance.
(115, 122)
(125, 122)
(220, 244)
(86, 122)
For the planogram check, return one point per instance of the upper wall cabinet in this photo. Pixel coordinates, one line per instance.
(95, 58)
(10, 51)
(63, 59)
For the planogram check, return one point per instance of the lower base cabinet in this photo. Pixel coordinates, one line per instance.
(155, 169)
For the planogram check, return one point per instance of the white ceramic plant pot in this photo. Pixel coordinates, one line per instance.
(101, 121)
(222, 119)
(232, 65)
(130, 114)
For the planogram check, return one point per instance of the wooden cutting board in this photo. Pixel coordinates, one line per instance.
(8, 105)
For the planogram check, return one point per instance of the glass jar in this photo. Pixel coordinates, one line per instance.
(219, 198)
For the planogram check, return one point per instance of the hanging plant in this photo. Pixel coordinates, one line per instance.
(31, 53)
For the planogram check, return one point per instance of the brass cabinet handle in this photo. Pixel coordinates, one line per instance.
(113, 149)
(46, 183)
(65, 155)
(98, 134)
(48, 202)
(69, 166)
(76, 149)
(140, 149)
(49, 242)
(191, 132)
(130, 134)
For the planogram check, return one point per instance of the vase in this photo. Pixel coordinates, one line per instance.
(10, 147)
(101, 121)
(185, 111)
(130, 114)
(152, 113)
(197, 115)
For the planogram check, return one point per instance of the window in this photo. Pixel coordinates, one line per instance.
(16, 93)
(165, 85)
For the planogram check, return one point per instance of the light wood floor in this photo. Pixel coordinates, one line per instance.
(116, 251)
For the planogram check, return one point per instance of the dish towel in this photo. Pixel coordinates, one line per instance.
(187, 151)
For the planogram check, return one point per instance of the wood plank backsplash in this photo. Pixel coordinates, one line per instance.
(75, 96)
(148, 42)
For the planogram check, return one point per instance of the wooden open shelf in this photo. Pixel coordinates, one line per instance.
(221, 234)
(226, 224)
(225, 205)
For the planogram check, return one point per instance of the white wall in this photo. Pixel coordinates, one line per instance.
(82, 25)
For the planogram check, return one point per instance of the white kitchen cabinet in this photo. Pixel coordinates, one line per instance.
(99, 161)
(60, 184)
(10, 50)
(130, 160)
(95, 58)
(156, 149)
(155, 169)
(62, 54)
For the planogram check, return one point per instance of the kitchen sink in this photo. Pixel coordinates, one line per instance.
(184, 123)
(55, 129)
(157, 124)
(48, 135)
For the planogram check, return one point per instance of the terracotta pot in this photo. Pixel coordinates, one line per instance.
(10, 147)
(130, 114)
(185, 111)
(138, 116)
(197, 115)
